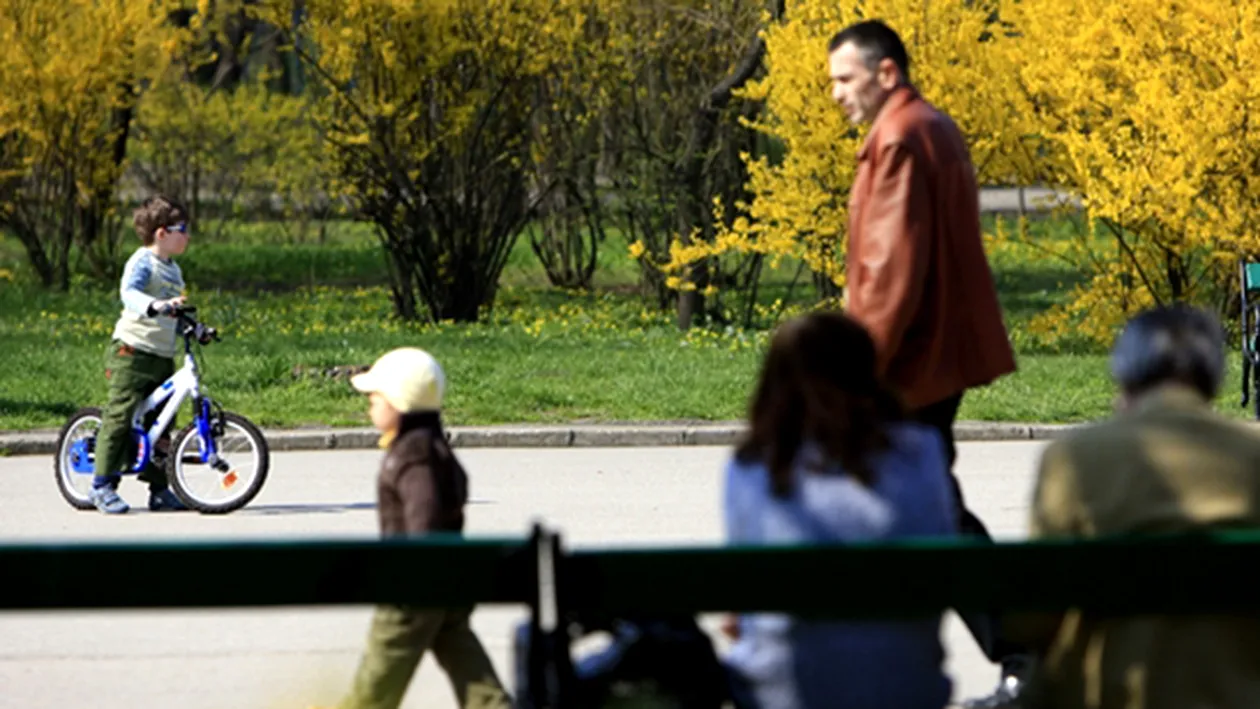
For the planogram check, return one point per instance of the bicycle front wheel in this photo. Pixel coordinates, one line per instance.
(228, 482)
(75, 464)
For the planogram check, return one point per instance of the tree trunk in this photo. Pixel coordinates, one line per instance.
(35, 252)
(694, 201)
(95, 238)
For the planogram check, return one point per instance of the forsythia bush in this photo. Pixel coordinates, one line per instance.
(624, 107)
(1140, 108)
(71, 72)
(669, 56)
(452, 121)
(1147, 112)
(799, 205)
(428, 106)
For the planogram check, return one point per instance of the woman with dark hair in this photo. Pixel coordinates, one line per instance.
(830, 458)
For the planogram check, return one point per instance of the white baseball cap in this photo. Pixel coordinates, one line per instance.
(410, 379)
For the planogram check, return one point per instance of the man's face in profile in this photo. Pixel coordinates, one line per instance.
(856, 87)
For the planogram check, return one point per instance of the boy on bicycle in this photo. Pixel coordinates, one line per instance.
(141, 352)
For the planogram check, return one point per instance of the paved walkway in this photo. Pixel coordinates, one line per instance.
(297, 657)
(1007, 199)
(44, 442)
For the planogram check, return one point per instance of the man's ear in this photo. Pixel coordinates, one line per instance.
(888, 75)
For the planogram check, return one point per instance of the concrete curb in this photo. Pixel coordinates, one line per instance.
(550, 436)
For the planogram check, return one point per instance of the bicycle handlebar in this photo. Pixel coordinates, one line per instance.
(203, 333)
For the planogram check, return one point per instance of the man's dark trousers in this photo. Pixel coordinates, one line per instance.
(983, 627)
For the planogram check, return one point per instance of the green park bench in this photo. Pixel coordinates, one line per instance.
(1124, 575)
(1249, 326)
(1118, 576)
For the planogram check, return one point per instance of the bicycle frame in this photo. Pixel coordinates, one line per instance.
(173, 392)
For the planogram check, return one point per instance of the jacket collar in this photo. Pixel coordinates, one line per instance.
(1169, 396)
(896, 100)
(431, 420)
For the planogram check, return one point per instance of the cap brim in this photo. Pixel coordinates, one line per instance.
(366, 382)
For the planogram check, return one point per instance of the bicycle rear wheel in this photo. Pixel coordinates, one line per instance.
(229, 483)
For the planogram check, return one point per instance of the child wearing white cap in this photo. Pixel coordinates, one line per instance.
(422, 488)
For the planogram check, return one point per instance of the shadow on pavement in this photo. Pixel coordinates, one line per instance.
(309, 508)
(318, 508)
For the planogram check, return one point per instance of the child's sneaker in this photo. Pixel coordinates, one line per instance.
(165, 501)
(106, 500)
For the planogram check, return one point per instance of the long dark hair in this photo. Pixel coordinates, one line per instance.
(818, 384)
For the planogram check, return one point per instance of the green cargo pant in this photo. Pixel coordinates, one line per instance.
(397, 641)
(133, 375)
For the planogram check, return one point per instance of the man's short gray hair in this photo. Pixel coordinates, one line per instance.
(1170, 344)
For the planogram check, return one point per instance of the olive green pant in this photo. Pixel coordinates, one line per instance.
(397, 641)
(133, 375)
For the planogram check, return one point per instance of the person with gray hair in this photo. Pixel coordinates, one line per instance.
(1171, 345)
(1166, 463)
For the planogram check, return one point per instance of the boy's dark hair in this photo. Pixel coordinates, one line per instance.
(155, 213)
(877, 42)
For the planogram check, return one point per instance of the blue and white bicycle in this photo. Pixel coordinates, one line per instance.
(216, 464)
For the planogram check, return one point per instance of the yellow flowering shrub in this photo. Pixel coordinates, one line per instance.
(668, 55)
(427, 107)
(798, 205)
(71, 71)
(1146, 109)
(1138, 108)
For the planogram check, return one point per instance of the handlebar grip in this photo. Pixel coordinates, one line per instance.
(205, 334)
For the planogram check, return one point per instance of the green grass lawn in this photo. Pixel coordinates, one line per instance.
(289, 310)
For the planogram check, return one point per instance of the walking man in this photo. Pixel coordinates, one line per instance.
(918, 278)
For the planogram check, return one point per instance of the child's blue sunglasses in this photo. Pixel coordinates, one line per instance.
(181, 227)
